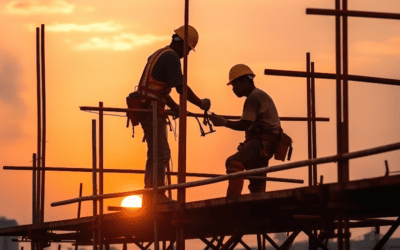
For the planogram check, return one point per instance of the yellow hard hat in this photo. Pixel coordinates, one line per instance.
(239, 70)
(193, 35)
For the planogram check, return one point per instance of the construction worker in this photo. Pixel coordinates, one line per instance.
(162, 73)
(262, 127)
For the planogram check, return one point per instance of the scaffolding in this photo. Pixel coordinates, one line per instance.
(317, 210)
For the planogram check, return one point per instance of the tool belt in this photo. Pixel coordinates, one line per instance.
(267, 140)
(137, 101)
(277, 144)
(261, 133)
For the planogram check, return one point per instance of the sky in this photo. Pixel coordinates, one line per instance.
(96, 51)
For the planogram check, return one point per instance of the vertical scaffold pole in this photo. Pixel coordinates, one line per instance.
(39, 124)
(43, 125)
(94, 181)
(79, 211)
(180, 240)
(155, 171)
(314, 127)
(338, 93)
(309, 124)
(34, 212)
(339, 231)
(345, 127)
(309, 133)
(101, 180)
(34, 189)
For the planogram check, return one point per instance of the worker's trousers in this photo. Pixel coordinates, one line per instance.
(249, 156)
(163, 151)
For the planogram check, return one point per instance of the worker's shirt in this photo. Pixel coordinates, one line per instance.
(260, 109)
(168, 69)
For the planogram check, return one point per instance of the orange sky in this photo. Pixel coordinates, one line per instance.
(96, 51)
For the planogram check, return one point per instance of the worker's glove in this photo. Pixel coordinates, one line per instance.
(205, 104)
(218, 121)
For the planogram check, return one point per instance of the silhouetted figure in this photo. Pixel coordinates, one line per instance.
(162, 73)
(262, 125)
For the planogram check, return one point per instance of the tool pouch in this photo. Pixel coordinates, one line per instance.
(134, 101)
(137, 101)
(283, 147)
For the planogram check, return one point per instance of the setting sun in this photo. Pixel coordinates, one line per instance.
(132, 201)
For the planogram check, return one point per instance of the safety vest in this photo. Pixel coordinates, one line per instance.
(148, 85)
(148, 89)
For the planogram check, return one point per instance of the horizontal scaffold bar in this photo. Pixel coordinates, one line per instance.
(353, 13)
(356, 78)
(137, 171)
(190, 114)
(259, 171)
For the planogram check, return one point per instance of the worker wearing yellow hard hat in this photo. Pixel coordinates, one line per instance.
(262, 125)
(192, 34)
(162, 73)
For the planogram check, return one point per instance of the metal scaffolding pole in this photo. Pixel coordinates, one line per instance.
(286, 166)
(155, 172)
(314, 127)
(94, 182)
(309, 125)
(339, 144)
(345, 97)
(101, 180)
(39, 125)
(43, 125)
(180, 238)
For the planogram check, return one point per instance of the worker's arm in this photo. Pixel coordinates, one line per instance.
(192, 97)
(241, 125)
(172, 104)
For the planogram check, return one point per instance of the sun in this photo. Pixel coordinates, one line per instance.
(132, 201)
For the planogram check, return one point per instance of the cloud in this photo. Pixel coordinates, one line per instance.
(126, 41)
(31, 7)
(93, 27)
(390, 47)
(13, 107)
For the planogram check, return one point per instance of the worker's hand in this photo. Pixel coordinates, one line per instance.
(218, 121)
(175, 113)
(205, 104)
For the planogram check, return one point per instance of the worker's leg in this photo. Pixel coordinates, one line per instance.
(239, 162)
(258, 186)
(266, 150)
(235, 186)
(163, 150)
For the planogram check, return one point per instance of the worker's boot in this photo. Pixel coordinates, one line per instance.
(162, 198)
(235, 187)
